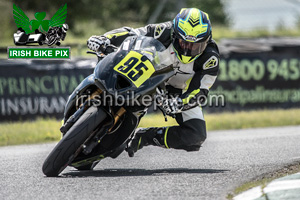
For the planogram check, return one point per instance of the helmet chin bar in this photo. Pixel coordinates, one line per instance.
(184, 59)
(187, 59)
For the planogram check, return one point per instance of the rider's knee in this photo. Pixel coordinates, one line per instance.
(195, 134)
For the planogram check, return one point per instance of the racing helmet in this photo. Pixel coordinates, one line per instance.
(191, 32)
(65, 28)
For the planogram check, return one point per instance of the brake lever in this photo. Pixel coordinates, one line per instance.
(95, 53)
(99, 55)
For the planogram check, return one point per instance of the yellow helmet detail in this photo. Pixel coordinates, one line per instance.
(191, 32)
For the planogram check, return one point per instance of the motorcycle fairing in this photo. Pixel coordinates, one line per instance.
(70, 107)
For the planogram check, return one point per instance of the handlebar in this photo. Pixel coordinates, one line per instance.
(103, 51)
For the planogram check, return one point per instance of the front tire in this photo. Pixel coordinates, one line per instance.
(60, 156)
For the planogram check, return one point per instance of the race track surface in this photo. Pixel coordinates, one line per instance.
(226, 160)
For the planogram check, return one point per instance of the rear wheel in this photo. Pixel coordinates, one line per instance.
(64, 151)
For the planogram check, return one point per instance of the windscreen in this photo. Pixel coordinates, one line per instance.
(136, 59)
(154, 50)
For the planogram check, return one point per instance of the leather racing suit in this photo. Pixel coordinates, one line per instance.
(191, 81)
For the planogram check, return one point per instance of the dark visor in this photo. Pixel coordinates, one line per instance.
(192, 48)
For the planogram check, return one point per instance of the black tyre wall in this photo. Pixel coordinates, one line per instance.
(58, 159)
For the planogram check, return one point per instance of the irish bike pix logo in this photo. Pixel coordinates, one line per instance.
(38, 32)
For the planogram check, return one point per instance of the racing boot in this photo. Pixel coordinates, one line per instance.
(144, 137)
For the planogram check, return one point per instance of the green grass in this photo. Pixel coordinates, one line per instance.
(41, 130)
(259, 118)
(47, 130)
(264, 180)
(236, 120)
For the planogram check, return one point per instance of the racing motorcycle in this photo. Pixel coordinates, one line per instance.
(95, 126)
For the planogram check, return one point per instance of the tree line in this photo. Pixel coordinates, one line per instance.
(110, 14)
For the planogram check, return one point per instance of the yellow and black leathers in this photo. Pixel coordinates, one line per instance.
(194, 78)
(192, 82)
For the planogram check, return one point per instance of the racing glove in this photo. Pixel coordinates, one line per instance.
(173, 105)
(96, 43)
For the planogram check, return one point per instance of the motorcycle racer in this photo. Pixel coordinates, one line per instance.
(195, 56)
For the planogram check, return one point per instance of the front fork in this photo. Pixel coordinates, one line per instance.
(98, 134)
(83, 107)
(102, 131)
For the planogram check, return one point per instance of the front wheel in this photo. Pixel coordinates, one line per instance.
(64, 151)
